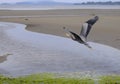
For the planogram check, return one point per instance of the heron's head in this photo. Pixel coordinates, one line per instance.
(67, 31)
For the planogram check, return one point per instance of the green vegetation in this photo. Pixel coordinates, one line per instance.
(47, 78)
(110, 80)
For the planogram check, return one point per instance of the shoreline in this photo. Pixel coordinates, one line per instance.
(56, 7)
(3, 58)
(30, 50)
(105, 31)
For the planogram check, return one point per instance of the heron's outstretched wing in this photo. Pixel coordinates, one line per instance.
(74, 36)
(86, 27)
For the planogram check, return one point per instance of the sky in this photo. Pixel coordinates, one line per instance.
(70, 1)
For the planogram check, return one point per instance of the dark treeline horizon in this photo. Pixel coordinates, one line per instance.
(61, 3)
(100, 3)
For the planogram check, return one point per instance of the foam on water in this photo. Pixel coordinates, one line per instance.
(36, 52)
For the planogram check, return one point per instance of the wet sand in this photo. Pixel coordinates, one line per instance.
(3, 58)
(105, 31)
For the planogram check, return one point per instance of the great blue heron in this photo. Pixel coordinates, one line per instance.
(86, 27)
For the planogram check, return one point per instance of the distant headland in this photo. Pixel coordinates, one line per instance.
(62, 3)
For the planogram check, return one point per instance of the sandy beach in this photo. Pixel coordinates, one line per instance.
(105, 31)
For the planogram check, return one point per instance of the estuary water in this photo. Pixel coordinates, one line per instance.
(54, 7)
(37, 52)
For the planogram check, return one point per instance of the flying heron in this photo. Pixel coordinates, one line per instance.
(86, 27)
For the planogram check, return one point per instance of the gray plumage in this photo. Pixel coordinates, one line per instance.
(86, 27)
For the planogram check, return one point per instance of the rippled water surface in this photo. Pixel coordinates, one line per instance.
(35, 53)
(53, 7)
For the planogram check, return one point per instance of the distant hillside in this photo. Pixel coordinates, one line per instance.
(38, 3)
(47, 2)
(99, 3)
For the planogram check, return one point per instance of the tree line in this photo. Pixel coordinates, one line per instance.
(99, 3)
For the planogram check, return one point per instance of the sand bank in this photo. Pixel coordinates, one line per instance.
(3, 58)
(105, 31)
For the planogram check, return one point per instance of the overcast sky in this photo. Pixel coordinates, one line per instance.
(14, 1)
